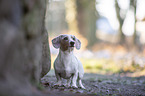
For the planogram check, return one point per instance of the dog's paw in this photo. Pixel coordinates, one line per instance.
(67, 86)
(82, 87)
(74, 87)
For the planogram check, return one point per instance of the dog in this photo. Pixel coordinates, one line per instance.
(66, 65)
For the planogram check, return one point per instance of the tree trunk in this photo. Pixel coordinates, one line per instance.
(134, 41)
(87, 16)
(121, 21)
(24, 48)
(71, 13)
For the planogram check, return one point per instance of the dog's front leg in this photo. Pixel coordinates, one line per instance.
(74, 79)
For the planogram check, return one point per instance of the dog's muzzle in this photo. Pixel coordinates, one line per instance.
(72, 44)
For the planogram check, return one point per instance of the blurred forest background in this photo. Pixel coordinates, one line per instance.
(112, 33)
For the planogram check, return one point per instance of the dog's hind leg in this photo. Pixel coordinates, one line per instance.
(74, 79)
(59, 82)
(68, 82)
(80, 84)
(80, 76)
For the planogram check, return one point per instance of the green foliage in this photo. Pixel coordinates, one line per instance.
(110, 66)
(100, 65)
(39, 86)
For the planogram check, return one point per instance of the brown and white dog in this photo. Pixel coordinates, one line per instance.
(66, 65)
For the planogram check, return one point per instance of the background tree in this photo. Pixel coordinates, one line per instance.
(133, 4)
(87, 16)
(71, 14)
(121, 19)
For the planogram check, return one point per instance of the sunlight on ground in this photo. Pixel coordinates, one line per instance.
(110, 66)
(101, 66)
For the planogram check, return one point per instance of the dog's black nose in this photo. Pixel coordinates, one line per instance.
(72, 43)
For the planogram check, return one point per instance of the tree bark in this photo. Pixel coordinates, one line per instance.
(24, 49)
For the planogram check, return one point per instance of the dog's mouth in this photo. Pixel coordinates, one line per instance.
(72, 46)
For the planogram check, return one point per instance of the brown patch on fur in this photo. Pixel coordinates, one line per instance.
(65, 47)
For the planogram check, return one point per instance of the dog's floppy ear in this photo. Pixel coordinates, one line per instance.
(56, 42)
(78, 43)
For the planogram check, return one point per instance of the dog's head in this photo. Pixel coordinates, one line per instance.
(65, 42)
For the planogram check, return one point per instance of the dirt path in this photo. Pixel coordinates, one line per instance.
(101, 85)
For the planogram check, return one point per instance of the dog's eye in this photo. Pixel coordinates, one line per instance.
(73, 38)
(65, 38)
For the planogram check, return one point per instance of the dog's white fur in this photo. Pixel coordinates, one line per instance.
(66, 65)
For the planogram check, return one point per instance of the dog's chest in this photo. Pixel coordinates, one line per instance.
(66, 66)
(66, 72)
(66, 69)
